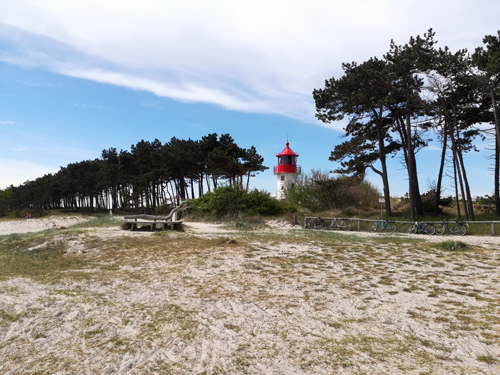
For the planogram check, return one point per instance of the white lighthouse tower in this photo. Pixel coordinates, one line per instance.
(287, 170)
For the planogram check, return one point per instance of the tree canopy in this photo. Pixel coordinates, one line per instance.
(146, 178)
(395, 104)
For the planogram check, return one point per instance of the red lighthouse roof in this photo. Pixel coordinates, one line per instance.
(287, 161)
(287, 151)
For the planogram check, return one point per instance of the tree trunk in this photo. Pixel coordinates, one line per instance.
(497, 178)
(456, 163)
(248, 180)
(468, 205)
(495, 115)
(416, 207)
(457, 201)
(385, 179)
(437, 196)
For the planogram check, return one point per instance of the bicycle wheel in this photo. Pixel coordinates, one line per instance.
(374, 227)
(327, 225)
(333, 224)
(345, 224)
(460, 229)
(429, 229)
(391, 227)
(412, 229)
(440, 228)
(320, 224)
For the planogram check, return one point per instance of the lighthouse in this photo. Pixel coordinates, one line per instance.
(287, 170)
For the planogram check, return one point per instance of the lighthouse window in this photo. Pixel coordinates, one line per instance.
(282, 188)
(282, 178)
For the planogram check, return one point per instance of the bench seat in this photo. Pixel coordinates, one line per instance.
(163, 225)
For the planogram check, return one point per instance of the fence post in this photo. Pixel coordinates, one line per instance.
(295, 222)
(359, 225)
(493, 229)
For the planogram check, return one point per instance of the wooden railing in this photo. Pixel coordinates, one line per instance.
(359, 221)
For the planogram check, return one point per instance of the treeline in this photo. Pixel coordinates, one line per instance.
(149, 176)
(395, 104)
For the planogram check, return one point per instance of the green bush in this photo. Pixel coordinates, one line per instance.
(319, 192)
(229, 202)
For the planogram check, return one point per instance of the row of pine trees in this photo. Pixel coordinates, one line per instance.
(145, 179)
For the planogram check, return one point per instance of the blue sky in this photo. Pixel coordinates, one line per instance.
(78, 77)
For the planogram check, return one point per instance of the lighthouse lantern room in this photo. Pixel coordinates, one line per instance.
(287, 170)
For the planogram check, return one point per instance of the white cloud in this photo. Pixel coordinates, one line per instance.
(7, 123)
(259, 56)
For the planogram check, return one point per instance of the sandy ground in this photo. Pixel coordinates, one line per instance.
(295, 307)
(37, 225)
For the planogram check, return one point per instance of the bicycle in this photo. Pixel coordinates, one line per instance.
(308, 224)
(345, 224)
(314, 223)
(425, 228)
(320, 223)
(457, 229)
(386, 225)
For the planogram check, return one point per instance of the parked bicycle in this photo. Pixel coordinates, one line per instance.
(315, 223)
(384, 225)
(320, 223)
(457, 229)
(308, 223)
(327, 223)
(426, 228)
(342, 224)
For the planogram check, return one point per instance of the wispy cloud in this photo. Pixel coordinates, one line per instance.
(257, 56)
(7, 123)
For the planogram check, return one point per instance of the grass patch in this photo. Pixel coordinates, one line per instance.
(99, 222)
(451, 245)
(34, 256)
(487, 359)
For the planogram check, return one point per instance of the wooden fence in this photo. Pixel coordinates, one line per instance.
(359, 221)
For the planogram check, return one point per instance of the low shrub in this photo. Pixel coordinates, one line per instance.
(319, 193)
(232, 202)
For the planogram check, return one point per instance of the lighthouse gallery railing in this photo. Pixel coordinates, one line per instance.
(287, 168)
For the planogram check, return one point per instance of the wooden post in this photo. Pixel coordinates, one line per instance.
(359, 225)
(295, 222)
(493, 229)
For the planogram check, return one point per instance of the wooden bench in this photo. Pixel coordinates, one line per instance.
(154, 221)
(163, 221)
